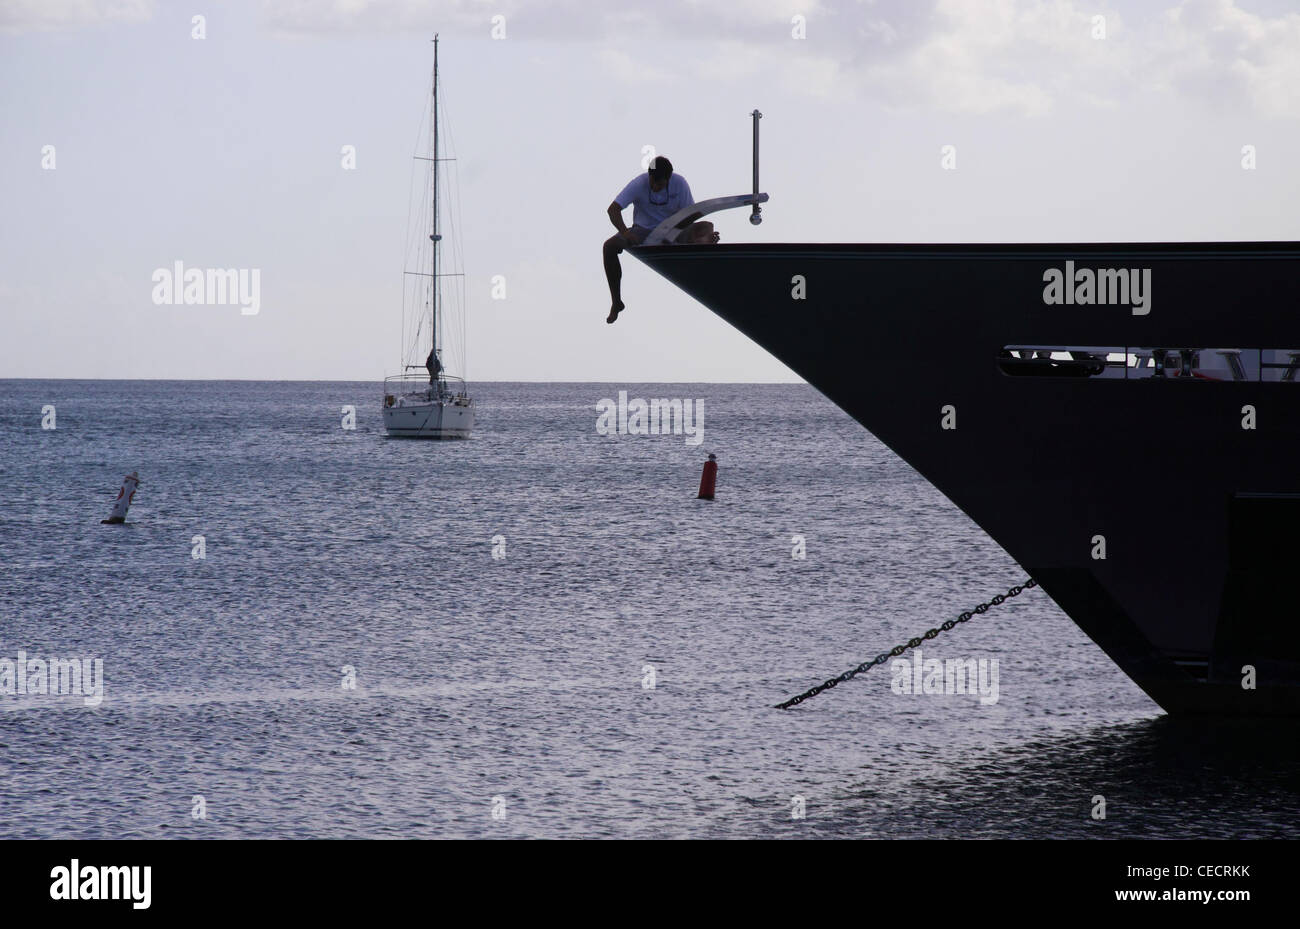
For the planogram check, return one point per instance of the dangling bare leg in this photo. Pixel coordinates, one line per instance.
(614, 274)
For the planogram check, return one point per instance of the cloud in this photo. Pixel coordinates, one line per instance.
(41, 15)
(964, 56)
(1216, 51)
(751, 20)
(982, 56)
(1033, 56)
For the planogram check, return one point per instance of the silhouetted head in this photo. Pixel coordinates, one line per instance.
(661, 169)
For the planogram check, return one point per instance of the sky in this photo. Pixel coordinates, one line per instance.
(1069, 121)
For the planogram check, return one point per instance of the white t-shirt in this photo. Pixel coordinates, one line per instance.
(654, 206)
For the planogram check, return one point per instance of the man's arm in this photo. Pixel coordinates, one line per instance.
(629, 195)
(616, 217)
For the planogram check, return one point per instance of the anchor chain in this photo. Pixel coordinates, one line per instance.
(911, 643)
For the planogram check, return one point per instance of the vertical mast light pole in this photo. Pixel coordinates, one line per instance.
(433, 281)
(756, 217)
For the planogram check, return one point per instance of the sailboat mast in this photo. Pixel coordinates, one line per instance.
(433, 282)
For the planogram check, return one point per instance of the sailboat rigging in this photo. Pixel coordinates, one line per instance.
(434, 405)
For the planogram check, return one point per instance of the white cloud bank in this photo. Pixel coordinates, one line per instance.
(963, 56)
(43, 15)
(966, 56)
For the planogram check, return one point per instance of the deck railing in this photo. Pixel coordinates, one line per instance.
(412, 384)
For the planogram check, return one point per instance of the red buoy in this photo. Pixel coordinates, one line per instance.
(123, 501)
(709, 479)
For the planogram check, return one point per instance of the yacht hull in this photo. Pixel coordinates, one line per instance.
(1161, 513)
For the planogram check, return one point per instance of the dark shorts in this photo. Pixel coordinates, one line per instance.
(640, 232)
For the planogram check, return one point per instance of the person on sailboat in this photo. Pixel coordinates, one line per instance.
(433, 366)
(655, 196)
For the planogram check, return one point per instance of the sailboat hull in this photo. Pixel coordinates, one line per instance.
(430, 420)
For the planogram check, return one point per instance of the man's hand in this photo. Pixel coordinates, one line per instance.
(628, 237)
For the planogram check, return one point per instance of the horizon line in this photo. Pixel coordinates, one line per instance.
(255, 380)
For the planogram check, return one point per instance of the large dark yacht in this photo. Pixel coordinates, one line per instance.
(1123, 419)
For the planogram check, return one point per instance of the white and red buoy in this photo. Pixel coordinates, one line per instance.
(709, 479)
(123, 501)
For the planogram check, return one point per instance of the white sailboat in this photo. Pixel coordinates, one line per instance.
(433, 404)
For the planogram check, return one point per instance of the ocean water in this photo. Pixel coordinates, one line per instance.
(508, 697)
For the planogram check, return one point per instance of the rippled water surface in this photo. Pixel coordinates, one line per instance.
(524, 678)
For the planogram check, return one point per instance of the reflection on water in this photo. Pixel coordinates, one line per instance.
(1169, 778)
